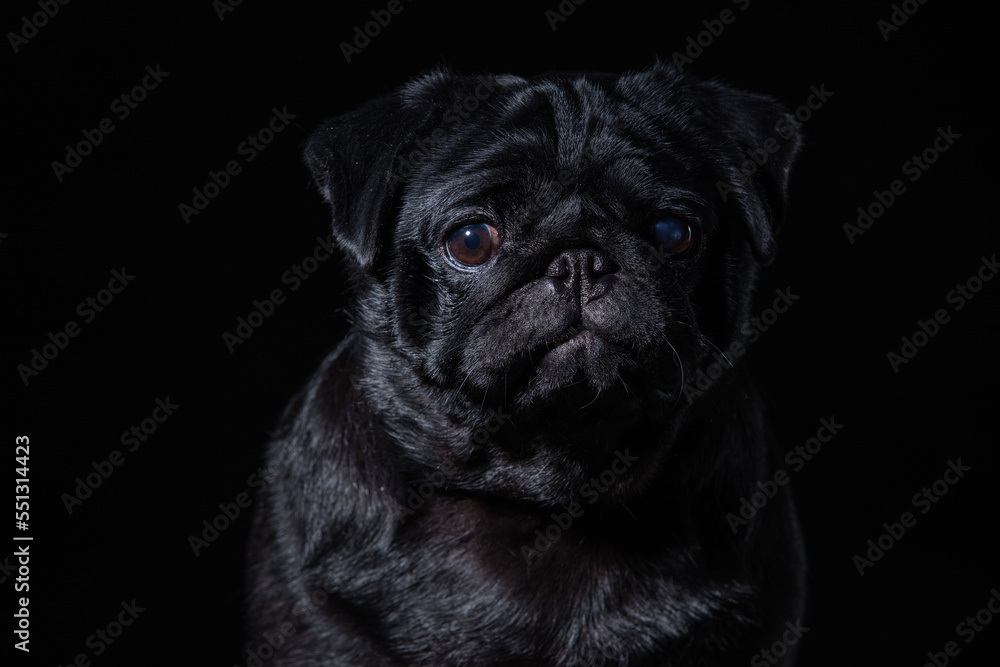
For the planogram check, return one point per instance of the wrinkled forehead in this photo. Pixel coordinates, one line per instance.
(574, 134)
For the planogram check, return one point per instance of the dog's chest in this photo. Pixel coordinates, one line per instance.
(470, 596)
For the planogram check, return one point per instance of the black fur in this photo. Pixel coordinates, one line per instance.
(508, 464)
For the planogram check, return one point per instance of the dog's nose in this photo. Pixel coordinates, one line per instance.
(581, 271)
(582, 262)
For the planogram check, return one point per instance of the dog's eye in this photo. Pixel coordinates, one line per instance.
(472, 245)
(674, 236)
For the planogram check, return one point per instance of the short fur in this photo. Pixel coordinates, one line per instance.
(509, 464)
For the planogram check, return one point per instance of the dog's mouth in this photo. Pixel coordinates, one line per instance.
(562, 368)
(576, 368)
(573, 353)
(570, 345)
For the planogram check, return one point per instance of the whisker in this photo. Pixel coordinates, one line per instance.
(705, 339)
(680, 364)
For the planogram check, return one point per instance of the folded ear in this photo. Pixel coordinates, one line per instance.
(768, 140)
(353, 160)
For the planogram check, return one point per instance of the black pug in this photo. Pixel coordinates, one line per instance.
(507, 461)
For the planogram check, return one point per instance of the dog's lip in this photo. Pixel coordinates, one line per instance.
(581, 337)
(572, 343)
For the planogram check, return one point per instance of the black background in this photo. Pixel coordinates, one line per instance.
(162, 336)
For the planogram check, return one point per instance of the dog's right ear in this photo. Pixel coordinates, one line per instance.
(353, 160)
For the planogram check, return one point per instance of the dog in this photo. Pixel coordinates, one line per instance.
(507, 460)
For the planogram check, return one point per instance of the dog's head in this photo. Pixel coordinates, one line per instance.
(539, 265)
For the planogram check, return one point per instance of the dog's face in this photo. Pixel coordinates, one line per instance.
(550, 260)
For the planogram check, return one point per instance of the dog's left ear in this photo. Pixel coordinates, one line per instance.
(355, 160)
(768, 140)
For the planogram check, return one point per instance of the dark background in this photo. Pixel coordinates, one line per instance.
(162, 335)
